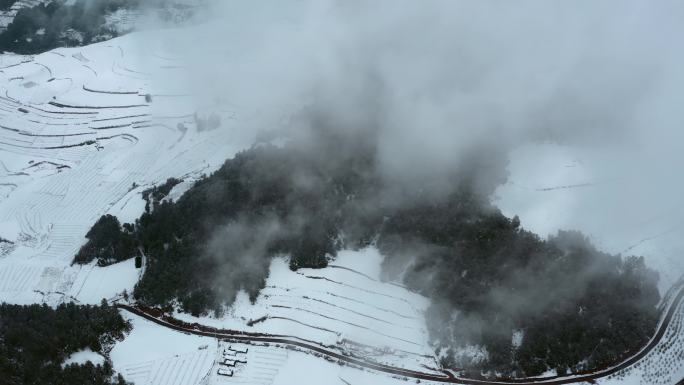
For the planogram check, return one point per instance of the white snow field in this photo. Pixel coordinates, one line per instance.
(155, 355)
(79, 137)
(623, 208)
(623, 205)
(276, 366)
(83, 356)
(344, 307)
(83, 131)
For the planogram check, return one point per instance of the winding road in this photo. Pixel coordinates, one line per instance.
(158, 317)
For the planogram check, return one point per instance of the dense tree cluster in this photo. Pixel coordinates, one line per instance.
(253, 201)
(36, 339)
(533, 304)
(6, 4)
(574, 307)
(108, 242)
(60, 23)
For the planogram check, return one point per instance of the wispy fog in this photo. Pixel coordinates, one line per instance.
(446, 89)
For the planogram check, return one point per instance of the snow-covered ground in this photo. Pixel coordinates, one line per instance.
(78, 139)
(154, 355)
(344, 306)
(83, 356)
(624, 208)
(623, 205)
(83, 131)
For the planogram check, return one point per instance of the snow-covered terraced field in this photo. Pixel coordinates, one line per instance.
(183, 369)
(158, 355)
(153, 355)
(83, 131)
(345, 306)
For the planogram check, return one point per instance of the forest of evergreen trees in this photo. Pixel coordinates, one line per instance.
(35, 340)
(108, 242)
(573, 307)
(58, 24)
(576, 308)
(6, 4)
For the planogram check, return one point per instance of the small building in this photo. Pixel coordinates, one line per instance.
(228, 362)
(225, 372)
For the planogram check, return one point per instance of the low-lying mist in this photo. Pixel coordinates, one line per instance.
(571, 307)
(442, 81)
(398, 119)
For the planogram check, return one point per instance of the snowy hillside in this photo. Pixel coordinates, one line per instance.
(81, 139)
(554, 187)
(85, 131)
(344, 306)
(154, 355)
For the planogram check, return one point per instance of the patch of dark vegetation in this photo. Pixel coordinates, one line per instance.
(62, 23)
(574, 308)
(59, 23)
(35, 341)
(533, 304)
(5, 5)
(108, 242)
(253, 322)
(58, 166)
(219, 236)
(153, 196)
(62, 105)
